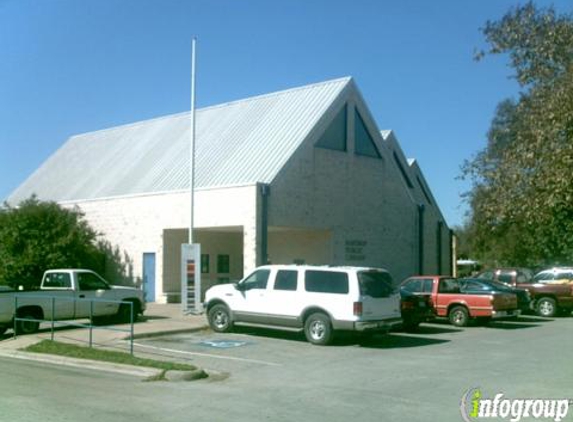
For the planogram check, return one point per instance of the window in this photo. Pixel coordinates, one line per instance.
(326, 282)
(364, 144)
(58, 281)
(524, 276)
(488, 275)
(90, 281)
(544, 276)
(286, 280)
(257, 280)
(427, 285)
(223, 264)
(474, 286)
(334, 137)
(449, 285)
(413, 286)
(419, 285)
(205, 264)
(375, 284)
(505, 277)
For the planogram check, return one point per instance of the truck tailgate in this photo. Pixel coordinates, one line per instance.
(504, 301)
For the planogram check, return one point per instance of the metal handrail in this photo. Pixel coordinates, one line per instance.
(53, 322)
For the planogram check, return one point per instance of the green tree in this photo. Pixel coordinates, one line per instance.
(522, 195)
(36, 236)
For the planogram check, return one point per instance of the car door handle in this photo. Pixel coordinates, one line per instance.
(82, 296)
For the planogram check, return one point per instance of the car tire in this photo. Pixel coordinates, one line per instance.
(220, 319)
(459, 316)
(27, 327)
(2, 330)
(318, 329)
(123, 315)
(546, 307)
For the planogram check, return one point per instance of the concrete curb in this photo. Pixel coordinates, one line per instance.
(167, 332)
(177, 376)
(138, 371)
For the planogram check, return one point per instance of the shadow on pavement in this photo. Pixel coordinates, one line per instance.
(509, 325)
(395, 341)
(345, 339)
(146, 318)
(534, 319)
(434, 329)
(269, 333)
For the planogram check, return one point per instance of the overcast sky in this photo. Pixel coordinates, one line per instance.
(74, 66)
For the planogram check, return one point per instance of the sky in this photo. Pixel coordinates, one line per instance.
(75, 66)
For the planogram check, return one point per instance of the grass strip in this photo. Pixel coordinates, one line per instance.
(80, 352)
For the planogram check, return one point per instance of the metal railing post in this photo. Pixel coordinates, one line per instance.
(53, 315)
(15, 317)
(91, 321)
(132, 331)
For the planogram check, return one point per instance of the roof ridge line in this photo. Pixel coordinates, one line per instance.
(346, 79)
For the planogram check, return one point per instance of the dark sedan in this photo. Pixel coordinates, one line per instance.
(477, 285)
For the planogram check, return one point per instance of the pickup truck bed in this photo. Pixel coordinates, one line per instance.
(449, 300)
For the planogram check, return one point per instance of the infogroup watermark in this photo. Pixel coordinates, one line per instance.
(475, 406)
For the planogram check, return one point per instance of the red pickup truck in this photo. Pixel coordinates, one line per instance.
(450, 300)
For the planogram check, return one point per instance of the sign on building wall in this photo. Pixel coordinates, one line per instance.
(191, 278)
(354, 250)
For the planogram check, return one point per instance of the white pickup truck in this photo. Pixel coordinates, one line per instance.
(68, 294)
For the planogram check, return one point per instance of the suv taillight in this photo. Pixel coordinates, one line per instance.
(357, 308)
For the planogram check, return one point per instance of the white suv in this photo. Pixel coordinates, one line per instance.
(318, 300)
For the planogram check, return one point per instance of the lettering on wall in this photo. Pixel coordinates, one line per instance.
(354, 250)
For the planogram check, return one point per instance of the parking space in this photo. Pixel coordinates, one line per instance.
(274, 375)
(426, 372)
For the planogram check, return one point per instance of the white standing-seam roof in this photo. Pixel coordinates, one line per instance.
(238, 143)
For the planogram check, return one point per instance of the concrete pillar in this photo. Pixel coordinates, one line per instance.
(252, 234)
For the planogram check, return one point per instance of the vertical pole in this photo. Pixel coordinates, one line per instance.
(91, 321)
(264, 254)
(53, 315)
(131, 336)
(192, 142)
(184, 273)
(15, 315)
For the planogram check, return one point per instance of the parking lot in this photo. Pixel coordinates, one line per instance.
(400, 376)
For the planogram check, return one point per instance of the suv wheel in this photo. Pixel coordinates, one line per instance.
(220, 319)
(459, 316)
(318, 329)
(546, 307)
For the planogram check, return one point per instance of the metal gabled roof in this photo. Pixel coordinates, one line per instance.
(238, 143)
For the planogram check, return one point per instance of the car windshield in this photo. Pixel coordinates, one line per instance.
(500, 286)
(543, 276)
(375, 284)
(477, 285)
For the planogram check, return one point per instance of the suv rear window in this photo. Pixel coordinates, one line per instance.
(326, 282)
(375, 284)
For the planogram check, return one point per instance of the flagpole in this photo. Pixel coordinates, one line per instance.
(192, 142)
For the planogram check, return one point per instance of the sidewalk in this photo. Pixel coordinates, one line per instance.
(158, 320)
